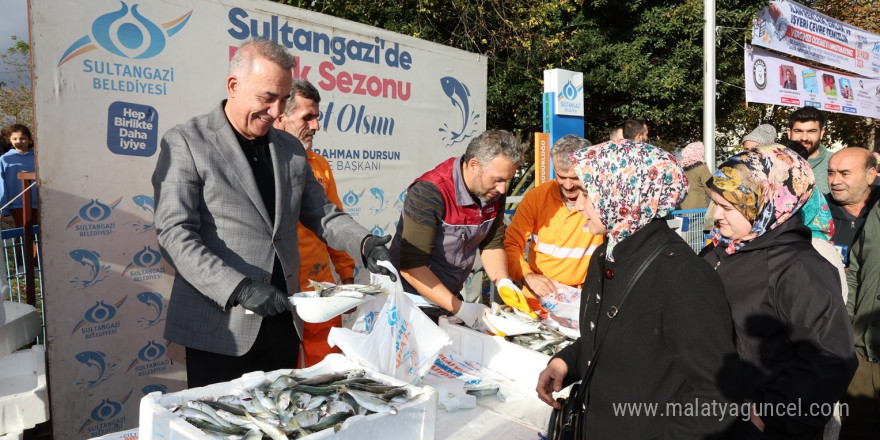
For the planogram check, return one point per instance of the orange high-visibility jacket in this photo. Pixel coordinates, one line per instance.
(560, 248)
(315, 255)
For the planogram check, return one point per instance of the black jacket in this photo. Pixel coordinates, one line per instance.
(793, 334)
(672, 342)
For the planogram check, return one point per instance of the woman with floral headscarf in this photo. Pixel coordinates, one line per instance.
(793, 334)
(693, 161)
(672, 339)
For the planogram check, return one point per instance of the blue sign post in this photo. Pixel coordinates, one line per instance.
(563, 104)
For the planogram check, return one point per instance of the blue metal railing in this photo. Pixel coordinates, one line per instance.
(16, 277)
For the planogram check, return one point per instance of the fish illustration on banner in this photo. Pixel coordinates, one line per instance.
(97, 271)
(154, 301)
(96, 360)
(145, 203)
(379, 195)
(459, 95)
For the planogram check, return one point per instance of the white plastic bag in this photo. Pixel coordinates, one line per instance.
(400, 340)
(564, 305)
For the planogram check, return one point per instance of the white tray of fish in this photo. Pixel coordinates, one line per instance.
(328, 301)
(334, 399)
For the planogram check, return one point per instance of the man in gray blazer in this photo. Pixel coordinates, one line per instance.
(229, 190)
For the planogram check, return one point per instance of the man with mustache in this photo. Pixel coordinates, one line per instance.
(300, 119)
(545, 222)
(851, 171)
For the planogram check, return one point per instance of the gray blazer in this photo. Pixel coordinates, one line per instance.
(213, 227)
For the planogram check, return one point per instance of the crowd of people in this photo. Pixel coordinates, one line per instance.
(246, 211)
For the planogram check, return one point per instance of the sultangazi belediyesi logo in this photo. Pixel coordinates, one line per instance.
(126, 33)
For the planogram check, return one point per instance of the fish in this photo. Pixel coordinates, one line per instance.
(332, 419)
(208, 428)
(203, 407)
(272, 431)
(293, 407)
(154, 301)
(93, 359)
(380, 196)
(144, 202)
(90, 259)
(458, 93)
(323, 379)
(307, 418)
(372, 402)
(253, 434)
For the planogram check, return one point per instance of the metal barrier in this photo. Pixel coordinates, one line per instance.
(691, 227)
(16, 277)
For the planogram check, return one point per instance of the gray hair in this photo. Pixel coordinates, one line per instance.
(564, 148)
(301, 87)
(243, 61)
(492, 143)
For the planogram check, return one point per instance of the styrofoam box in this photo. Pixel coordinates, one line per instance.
(24, 399)
(515, 362)
(415, 419)
(22, 326)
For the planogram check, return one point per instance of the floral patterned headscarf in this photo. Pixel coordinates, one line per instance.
(629, 183)
(766, 184)
(692, 154)
(817, 217)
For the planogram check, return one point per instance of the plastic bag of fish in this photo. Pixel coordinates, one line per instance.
(564, 305)
(328, 300)
(546, 336)
(296, 404)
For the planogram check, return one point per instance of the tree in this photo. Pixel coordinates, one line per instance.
(16, 101)
(639, 59)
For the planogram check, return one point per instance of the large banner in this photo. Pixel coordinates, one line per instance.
(110, 77)
(794, 29)
(775, 79)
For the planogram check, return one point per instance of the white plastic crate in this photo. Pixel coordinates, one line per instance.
(415, 419)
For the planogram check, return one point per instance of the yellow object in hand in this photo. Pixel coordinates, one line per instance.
(513, 296)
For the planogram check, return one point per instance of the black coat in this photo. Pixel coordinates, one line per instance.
(793, 334)
(672, 341)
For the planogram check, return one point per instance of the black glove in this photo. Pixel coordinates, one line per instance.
(262, 299)
(374, 250)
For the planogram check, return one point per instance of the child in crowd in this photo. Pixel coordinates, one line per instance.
(19, 158)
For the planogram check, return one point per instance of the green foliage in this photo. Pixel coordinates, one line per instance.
(16, 101)
(639, 59)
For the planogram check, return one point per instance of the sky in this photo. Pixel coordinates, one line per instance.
(13, 21)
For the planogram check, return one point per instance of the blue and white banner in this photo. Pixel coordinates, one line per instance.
(775, 79)
(111, 77)
(794, 29)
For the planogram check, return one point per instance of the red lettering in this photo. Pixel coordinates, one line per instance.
(374, 85)
(329, 81)
(362, 84)
(300, 71)
(359, 89)
(343, 82)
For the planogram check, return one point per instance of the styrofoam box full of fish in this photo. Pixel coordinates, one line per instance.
(415, 419)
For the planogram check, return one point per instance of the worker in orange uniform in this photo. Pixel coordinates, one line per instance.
(300, 119)
(559, 248)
